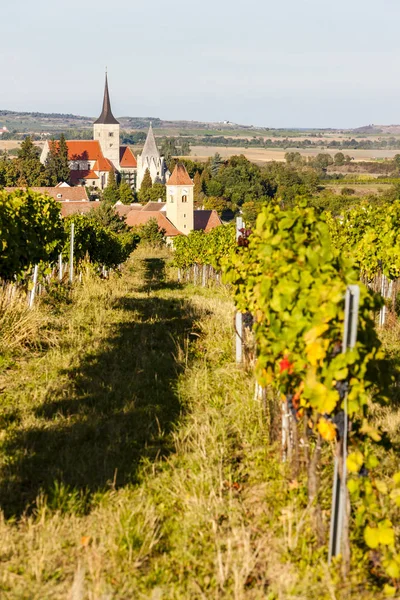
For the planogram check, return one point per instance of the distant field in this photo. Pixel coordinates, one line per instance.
(360, 190)
(11, 144)
(261, 155)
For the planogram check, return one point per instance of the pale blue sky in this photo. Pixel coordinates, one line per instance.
(291, 63)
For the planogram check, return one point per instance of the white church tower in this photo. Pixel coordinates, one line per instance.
(106, 130)
(180, 200)
(150, 159)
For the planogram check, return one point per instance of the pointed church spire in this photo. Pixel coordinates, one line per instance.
(106, 117)
(150, 147)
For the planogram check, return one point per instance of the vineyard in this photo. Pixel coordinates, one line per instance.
(136, 459)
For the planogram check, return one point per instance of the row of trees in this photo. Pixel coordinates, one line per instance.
(27, 170)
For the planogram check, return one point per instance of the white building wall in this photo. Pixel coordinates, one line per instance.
(108, 136)
(180, 207)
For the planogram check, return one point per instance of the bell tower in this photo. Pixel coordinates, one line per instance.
(180, 200)
(106, 130)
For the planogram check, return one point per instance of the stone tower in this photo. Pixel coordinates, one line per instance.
(106, 130)
(180, 200)
(150, 159)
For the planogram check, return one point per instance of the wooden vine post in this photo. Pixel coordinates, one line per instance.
(339, 528)
(71, 254)
(238, 314)
(34, 286)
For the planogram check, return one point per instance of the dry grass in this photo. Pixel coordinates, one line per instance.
(19, 325)
(261, 155)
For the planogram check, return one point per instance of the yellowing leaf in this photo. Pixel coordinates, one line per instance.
(396, 478)
(315, 352)
(381, 486)
(326, 429)
(392, 568)
(389, 590)
(371, 536)
(354, 462)
(313, 334)
(386, 533)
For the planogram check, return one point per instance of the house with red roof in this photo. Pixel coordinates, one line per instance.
(176, 216)
(91, 161)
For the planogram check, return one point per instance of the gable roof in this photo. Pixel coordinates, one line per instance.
(76, 176)
(140, 217)
(180, 176)
(71, 194)
(81, 150)
(126, 158)
(72, 208)
(150, 149)
(206, 220)
(153, 206)
(106, 117)
(124, 209)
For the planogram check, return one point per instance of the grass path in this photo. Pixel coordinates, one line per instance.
(134, 461)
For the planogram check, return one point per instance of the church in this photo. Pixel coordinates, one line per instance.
(92, 161)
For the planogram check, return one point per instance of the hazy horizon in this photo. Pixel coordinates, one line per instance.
(300, 65)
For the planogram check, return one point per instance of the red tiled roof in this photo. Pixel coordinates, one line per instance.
(87, 150)
(126, 158)
(72, 208)
(74, 194)
(76, 176)
(153, 206)
(180, 176)
(140, 217)
(124, 209)
(206, 220)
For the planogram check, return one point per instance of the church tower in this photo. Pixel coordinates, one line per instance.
(106, 130)
(150, 159)
(180, 200)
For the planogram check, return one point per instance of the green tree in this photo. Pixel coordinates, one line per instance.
(218, 204)
(30, 170)
(147, 184)
(126, 194)
(215, 164)
(111, 193)
(63, 162)
(185, 148)
(168, 149)
(151, 233)
(339, 159)
(106, 216)
(198, 188)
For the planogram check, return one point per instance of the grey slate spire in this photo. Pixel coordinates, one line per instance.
(150, 149)
(106, 117)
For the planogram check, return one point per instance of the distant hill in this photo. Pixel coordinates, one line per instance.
(25, 122)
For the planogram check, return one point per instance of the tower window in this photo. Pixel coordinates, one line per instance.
(111, 133)
(171, 198)
(184, 227)
(184, 198)
(184, 216)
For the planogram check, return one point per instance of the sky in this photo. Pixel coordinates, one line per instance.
(286, 63)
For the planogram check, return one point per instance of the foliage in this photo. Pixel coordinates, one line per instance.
(370, 233)
(106, 216)
(30, 231)
(293, 279)
(125, 193)
(205, 248)
(111, 191)
(151, 234)
(98, 243)
(57, 164)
